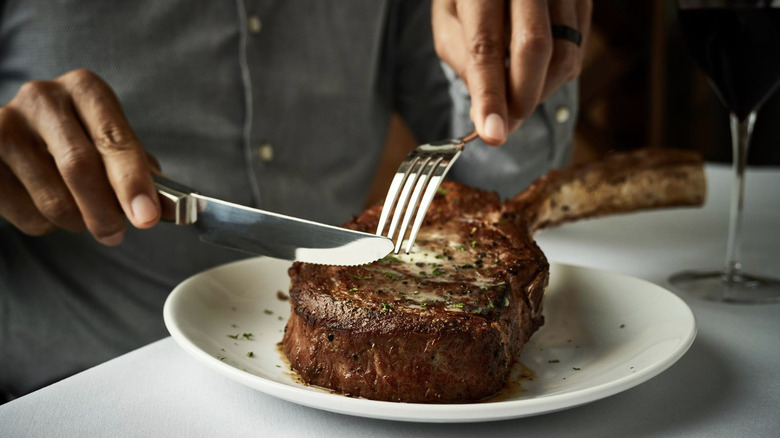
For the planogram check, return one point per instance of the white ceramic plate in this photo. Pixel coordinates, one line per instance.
(604, 333)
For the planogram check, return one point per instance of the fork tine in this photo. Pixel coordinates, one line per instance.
(407, 188)
(411, 180)
(411, 208)
(392, 193)
(430, 192)
(433, 186)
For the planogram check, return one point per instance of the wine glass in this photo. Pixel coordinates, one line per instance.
(737, 44)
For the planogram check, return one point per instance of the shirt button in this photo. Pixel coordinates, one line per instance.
(562, 114)
(254, 24)
(266, 152)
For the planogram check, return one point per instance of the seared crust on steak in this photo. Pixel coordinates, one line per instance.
(430, 327)
(447, 323)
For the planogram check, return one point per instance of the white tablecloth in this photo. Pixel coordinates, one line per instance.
(728, 384)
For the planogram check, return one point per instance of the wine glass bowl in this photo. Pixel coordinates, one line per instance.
(737, 44)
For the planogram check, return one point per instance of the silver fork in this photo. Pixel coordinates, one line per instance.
(423, 168)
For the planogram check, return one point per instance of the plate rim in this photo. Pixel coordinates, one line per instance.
(422, 412)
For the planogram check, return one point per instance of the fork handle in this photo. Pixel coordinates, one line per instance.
(470, 136)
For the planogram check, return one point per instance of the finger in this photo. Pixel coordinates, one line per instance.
(17, 207)
(50, 113)
(485, 71)
(125, 161)
(530, 49)
(26, 158)
(448, 37)
(566, 61)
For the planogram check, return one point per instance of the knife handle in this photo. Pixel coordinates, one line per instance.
(175, 201)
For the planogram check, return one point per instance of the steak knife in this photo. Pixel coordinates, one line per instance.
(261, 232)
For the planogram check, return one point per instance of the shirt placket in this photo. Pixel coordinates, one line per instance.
(258, 148)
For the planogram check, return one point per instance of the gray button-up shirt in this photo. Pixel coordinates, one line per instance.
(282, 105)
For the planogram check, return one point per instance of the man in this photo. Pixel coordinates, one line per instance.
(279, 105)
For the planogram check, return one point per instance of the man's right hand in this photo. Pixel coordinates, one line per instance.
(505, 53)
(69, 159)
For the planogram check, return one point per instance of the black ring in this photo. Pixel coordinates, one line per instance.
(567, 33)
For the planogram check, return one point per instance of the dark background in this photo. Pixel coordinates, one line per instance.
(640, 87)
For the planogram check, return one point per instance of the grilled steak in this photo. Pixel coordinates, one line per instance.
(446, 323)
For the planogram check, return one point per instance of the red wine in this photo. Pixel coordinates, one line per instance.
(739, 50)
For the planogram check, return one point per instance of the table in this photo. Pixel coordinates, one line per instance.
(728, 384)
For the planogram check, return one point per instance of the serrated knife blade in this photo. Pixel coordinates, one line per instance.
(271, 234)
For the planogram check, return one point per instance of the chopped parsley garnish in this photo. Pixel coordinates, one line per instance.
(491, 305)
(460, 248)
(438, 271)
(386, 306)
(576, 369)
(391, 275)
(233, 336)
(250, 354)
(459, 305)
(441, 191)
(553, 361)
(353, 290)
(473, 243)
(247, 336)
(268, 312)
(389, 260)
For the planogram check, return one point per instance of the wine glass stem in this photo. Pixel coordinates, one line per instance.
(741, 131)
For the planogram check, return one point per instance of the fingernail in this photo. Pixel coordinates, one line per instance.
(144, 209)
(494, 127)
(113, 240)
